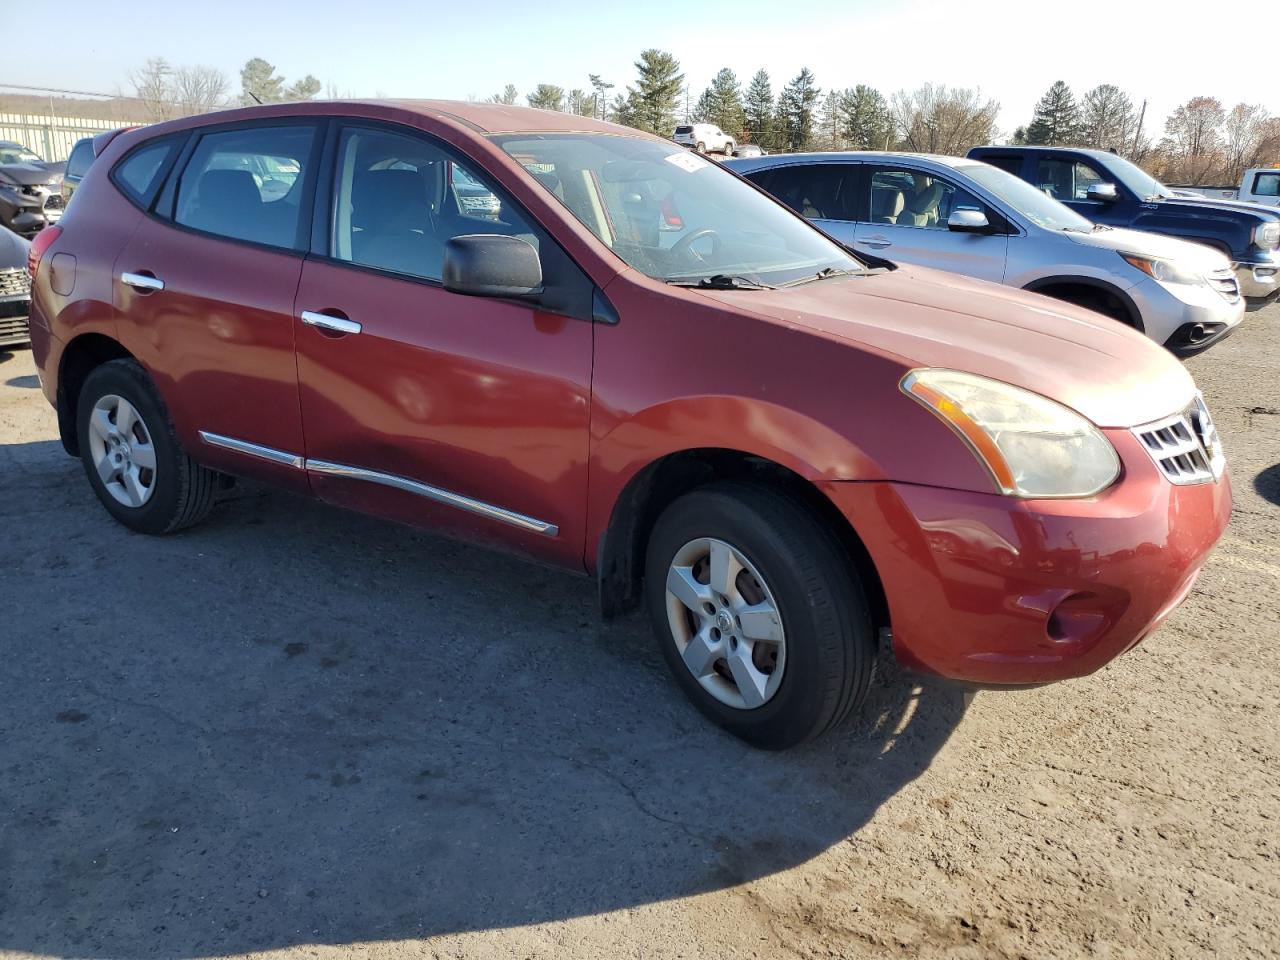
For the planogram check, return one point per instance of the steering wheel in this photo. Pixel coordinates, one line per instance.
(684, 246)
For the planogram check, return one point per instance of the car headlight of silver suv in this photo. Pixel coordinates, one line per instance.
(1267, 235)
(1164, 271)
(1032, 446)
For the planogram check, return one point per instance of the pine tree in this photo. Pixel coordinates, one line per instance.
(867, 123)
(1056, 121)
(725, 104)
(758, 109)
(652, 103)
(260, 82)
(509, 95)
(796, 107)
(547, 96)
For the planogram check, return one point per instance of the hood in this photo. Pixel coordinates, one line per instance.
(13, 250)
(1106, 371)
(33, 174)
(1237, 207)
(1184, 252)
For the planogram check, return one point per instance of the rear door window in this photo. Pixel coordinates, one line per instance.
(247, 184)
(818, 191)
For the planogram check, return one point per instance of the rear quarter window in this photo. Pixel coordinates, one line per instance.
(138, 175)
(80, 160)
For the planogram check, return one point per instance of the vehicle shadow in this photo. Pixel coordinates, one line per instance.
(295, 725)
(1267, 483)
(29, 382)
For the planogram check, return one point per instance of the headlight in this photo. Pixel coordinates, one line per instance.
(1032, 446)
(1164, 271)
(1267, 235)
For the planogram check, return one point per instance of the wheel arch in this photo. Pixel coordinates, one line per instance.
(1057, 286)
(620, 555)
(79, 358)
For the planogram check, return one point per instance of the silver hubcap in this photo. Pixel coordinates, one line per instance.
(725, 623)
(121, 449)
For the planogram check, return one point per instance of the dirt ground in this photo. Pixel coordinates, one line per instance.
(298, 731)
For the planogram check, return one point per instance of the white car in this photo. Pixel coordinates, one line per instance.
(705, 138)
(1261, 185)
(968, 217)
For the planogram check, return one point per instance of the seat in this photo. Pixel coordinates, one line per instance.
(886, 204)
(394, 226)
(921, 206)
(226, 202)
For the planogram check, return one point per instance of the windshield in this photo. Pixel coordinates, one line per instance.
(1136, 179)
(14, 154)
(672, 214)
(1033, 203)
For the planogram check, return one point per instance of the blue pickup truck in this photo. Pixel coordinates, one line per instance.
(1109, 189)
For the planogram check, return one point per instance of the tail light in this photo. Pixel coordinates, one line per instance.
(43, 241)
(670, 215)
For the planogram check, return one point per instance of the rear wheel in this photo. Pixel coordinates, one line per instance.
(132, 457)
(758, 613)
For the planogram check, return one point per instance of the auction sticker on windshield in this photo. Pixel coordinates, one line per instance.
(687, 162)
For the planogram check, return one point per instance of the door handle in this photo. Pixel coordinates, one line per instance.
(325, 322)
(142, 281)
(876, 241)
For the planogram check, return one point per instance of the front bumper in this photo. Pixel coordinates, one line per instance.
(29, 213)
(1259, 281)
(1188, 322)
(995, 591)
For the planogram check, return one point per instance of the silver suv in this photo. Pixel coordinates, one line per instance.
(969, 217)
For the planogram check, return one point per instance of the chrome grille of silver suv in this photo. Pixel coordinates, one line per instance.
(1224, 281)
(1185, 446)
(15, 282)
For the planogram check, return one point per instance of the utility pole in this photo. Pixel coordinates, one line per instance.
(1137, 133)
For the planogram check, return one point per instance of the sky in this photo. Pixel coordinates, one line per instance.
(1164, 52)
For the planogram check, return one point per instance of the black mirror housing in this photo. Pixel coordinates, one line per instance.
(488, 265)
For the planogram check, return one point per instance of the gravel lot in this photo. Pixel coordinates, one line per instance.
(298, 730)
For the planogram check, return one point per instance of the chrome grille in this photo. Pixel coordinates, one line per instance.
(14, 330)
(14, 282)
(1185, 446)
(1224, 281)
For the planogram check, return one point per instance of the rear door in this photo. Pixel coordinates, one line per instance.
(907, 212)
(467, 414)
(823, 193)
(204, 293)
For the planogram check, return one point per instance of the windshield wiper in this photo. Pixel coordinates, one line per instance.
(826, 273)
(719, 281)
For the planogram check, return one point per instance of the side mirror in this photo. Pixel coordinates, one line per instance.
(968, 220)
(486, 265)
(1102, 192)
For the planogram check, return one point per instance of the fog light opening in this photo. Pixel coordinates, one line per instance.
(1078, 619)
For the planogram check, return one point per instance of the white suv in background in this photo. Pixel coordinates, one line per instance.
(705, 138)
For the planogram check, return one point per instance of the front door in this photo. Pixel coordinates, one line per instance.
(1067, 179)
(462, 413)
(908, 211)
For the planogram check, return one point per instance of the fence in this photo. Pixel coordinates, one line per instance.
(53, 137)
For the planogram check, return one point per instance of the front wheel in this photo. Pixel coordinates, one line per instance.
(132, 457)
(759, 614)
(729, 147)
(701, 147)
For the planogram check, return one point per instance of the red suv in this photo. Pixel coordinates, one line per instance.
(584, 344)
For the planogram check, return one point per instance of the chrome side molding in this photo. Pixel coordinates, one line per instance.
(253, 449)
(438, 494)
(424, 490)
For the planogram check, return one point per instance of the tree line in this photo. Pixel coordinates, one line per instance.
(1203, 142)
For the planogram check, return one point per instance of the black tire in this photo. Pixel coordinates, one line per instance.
(830, 647)
(1098, 302)
(183, 491)
(728, 148)
(701, 148)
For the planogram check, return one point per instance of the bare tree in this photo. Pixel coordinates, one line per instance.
(938, 119)
(198, 90)
(1108, 119)
(151, 85)
(1192, 146)
(1246, 133)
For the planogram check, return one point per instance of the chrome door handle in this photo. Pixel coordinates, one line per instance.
(326, 322)
(141, 281)
(875, 242)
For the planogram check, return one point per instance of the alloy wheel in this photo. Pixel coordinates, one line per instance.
(122, 451)
(725, 623)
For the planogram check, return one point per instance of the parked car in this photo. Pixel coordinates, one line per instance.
(704, 138)
(15, 289)
(30, 189)
(972, 218)
(1261, 185)
(749, 150)
(1108, 189)
(790, 454)
(81, 158)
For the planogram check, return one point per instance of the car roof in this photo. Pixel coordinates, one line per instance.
(1014, 148)
(778, 159)
(483, 118)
